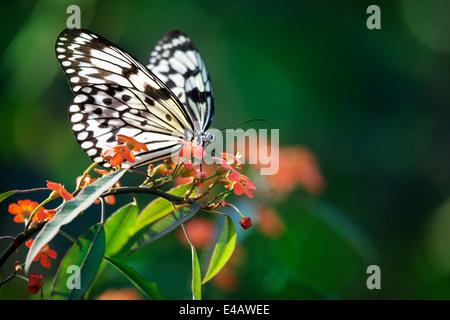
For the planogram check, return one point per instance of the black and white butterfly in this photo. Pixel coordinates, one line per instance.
(167, 101)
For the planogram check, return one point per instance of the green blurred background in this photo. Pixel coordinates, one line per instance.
(372, 105)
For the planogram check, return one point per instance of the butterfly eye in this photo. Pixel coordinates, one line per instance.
(210, 137)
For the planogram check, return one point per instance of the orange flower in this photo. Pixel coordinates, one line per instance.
(59, 190)
(242, 184)
(35, 283)
(23, 209)
(43, 255)
(131, 143)
(118, 154)
(45, 214)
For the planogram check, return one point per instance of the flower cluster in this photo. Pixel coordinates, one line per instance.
(239, 183)
(199, 179)
(30, 213)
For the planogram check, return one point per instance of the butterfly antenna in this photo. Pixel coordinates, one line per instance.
(264, 120)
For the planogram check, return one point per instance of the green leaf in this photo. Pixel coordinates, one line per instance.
(157, 209)
(118, 228)
(117, 233)
(70, 210)
(81, 260)
(196, 285)
(166, 225)
(223, 250)
(6, 194)
(150, 289)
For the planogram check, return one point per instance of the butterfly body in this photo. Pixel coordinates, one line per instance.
(160, 104)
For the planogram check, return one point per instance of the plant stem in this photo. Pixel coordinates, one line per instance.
(85, 173)
(167, 196)
(67, 236)
(36, 210)
(18, 240)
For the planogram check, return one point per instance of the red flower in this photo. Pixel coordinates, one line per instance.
(59, 190)
(131, 143)
(233, 159)
(246, 223)
(191, 150)
(35, 283)
(43, 255)
(242, 184)
(23, 209)
(118, 154)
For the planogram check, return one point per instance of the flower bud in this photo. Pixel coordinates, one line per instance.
(224, 181)
(17, 267)
(246, 223)
(55, 194)
(107, 158)
(35, 283)
(200, 176)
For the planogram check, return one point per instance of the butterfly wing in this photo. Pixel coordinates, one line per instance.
(116, 94)
(177, 62)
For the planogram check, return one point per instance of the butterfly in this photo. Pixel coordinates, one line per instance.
(169, 100)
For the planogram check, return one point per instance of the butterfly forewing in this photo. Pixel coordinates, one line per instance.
(116, 94)
(100, 112)
(177, 62)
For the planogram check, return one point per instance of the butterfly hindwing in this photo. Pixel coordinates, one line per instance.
(177, 62)
(116, 94)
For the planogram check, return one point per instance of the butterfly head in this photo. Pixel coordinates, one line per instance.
(200, 138)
